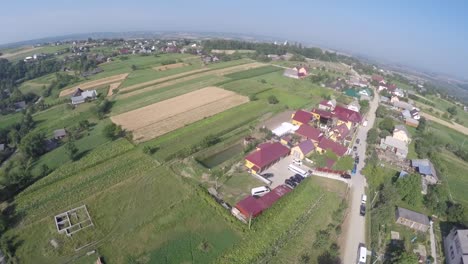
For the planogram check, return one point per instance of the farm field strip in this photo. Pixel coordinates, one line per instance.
(455, 126)
(170, 66)
(95, 83)
(209, 100)
(219, 72)
(112, 87)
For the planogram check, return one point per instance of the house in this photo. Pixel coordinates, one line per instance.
(406, 114)
(394, 145)
(302, 71)
(346, 115)
(251, 207)
(291, 73)
(456, 246)
(284, 129)
(287, 141)
(378, 78)
(308, 132)
(354, 105)
(411, 122)
(60, 133)
(303, 149)
(399, 92)
(356, 81)
(19, 106)
(265, 155)
(384, 99)
(322, 115)
(339, 133)
(351, 93)
(394, 99)
(301, 117)
(328, 144)
(327, 105)
(403, 105)
(411, 219)
(365, 92)
(401, 133)
(426, 169)
(81, 96)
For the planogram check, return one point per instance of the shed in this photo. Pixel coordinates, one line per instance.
(60, 133)
(412, 219)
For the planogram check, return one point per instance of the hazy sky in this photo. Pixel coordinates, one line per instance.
(429, 34)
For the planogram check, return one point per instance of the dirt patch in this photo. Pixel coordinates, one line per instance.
(455, 126)
(277, 120)
(170, 66)
(95, 83)
(14, 54)
(112, 87)
(160, 118)
(172, 81)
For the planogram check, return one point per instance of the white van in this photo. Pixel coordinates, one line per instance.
(364, 199)
(259, 191)
(298, 170)
(362, 255)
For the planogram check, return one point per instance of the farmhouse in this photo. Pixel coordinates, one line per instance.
(346, 115)
(327, 144)
(303, 149)
(426, 169)
(80, 96)
(253, 207)
(401, 133)
(339, 132)
(308, 132)
(265, 155)
(296, 72)
(456, 246)
(301, 117)
(394, 145)
(60, 133)
(412, 219)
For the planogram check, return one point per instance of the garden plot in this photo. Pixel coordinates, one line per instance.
(160, 118)
(96, 83)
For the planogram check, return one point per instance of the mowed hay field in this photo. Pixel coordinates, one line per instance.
(95, 83)
(160, 118)
(170, 66)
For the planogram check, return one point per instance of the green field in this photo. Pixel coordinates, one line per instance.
(456, 177)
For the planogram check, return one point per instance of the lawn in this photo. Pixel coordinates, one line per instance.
(456, 176)
(10, 119)
(148, 214)
(238, 186)
(448, 135)
(286, 230)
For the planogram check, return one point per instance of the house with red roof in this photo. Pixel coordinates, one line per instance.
(377, 78)
(323, 116)
(328, 144)
(340, 132)
(327, 105)
(265, 155)
(303, 149)
(347, 116)
(301, 117)
(253, 207)
(308, 132)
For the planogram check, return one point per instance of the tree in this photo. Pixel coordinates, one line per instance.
(409, 189)
(134, 67)
(405, 258)
(253, 97)
(364, 106)
(384, 134)
(14, 137)
(381, 112)
(72, 150)
(32, 145)
(455, 213)
(373, 136)
(387, 124)
(113, 131)
(452, 110)
(422, 124)
(272, 99)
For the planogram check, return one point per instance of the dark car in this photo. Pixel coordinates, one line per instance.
(298, 177)
(356, 160)
(362, 209)
(357, 141)
(268, 175)
(354, 148)
(293, 179)
(290, 183)
(345, 176)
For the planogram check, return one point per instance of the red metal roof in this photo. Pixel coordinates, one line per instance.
(342, 130)
(302, 116)
(306, 146)
(337, 148)
(251, 206)
(377, 78)
(267, 154)
(322, 113)
(309, 132)
(346, 114)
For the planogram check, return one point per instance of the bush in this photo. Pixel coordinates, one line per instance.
(272, 99)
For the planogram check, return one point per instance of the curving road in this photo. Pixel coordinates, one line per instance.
(354, 226)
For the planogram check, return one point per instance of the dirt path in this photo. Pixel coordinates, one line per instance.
(455, 126)
(112, 87)
(172, 81)
(9, 55)
(95, 83)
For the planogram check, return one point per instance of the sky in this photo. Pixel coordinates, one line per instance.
(431, 35)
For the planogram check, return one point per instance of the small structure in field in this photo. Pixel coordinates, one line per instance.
(73, 220)
(411, 219)
(81, 96)
(60, 133)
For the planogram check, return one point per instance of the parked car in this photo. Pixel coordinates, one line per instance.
(297, 162)
(290, 183)
(357, 141)
(363, 199)
(268, 175)
(345, 176)
(354, 148)
(293, 179)
(356, 160)
(299, 177)
(362, 209)
(260, 191)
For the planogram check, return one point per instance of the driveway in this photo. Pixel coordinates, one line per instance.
(354, 227)
(281, 172)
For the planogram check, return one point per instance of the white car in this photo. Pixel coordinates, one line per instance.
(297, 162)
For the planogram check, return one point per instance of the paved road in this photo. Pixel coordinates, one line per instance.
(354, 225)
(433, 243)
